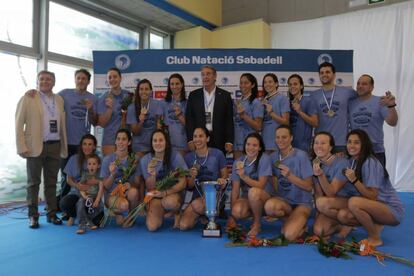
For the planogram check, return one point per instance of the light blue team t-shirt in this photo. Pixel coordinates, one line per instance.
(77, 122)
(280, 105)
(142, 141)
(302, 131)
(114, 122)
(373, 176)
(210, 167)
(336, 170)
(177, 161)
(299, 164)
(241, 128)
(118, 173)
(369, 115)
(338, 125)
(72, 169)
(176, 129)
(264, 168)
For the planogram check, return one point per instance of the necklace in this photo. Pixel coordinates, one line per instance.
(245, 159)
(202, 163)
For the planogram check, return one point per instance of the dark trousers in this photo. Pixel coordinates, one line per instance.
(48, 161)
(64, 186)
(68, 205)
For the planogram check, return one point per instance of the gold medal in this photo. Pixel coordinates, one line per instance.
(239, 165)
(153, 163)
(316, 161)
(331, 113)
(277, 163)
(144, 111)
(264, 101)
(196, 166)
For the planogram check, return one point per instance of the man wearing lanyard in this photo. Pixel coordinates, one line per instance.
(211, 107)
(368, 112)
(332, 106)
(41, 140)
(80, 110)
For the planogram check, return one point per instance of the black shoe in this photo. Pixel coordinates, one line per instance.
(54, 219)
(34, 222)
(65, 216)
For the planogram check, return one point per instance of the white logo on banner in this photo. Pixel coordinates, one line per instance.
(324, 58)
(122, 62)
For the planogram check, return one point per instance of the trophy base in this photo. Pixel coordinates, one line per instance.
(212, 233)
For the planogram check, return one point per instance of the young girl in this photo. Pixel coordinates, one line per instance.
(155, 166)
(249, 112)
(207, 164)
(112, 172)
(249, 178)
(378, 203)
(331, 187)
(276, 110)
(109, 110)
(294, 173)
(303, 116)
(144, 117)
(90, 204)
(174, 113)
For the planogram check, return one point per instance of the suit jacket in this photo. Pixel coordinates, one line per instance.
(29, 125)
(223, 126)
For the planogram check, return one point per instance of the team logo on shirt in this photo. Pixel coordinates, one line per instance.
(195, 80)
(324, 58)
(122, 62)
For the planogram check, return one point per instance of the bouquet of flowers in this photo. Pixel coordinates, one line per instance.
(162, 185)
(120, 189)
(239, 238)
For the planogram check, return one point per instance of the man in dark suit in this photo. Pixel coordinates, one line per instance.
(211, 107)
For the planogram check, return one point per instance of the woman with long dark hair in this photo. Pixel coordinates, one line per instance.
(377, 203)
(113, 171)
(276, 110)
(144, 117)
(293, 199)
(250, 176)
(206, 164)
(155, 166)
(332, 189)
(248, 117)
(174, 113)
(74, 170)
(303, 114)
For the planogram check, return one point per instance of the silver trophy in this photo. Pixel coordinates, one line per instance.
(212, 229)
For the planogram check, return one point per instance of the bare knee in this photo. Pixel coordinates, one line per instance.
(344, 216)
(254, 194)
(322, 204)
(238, 211)
(354, 203)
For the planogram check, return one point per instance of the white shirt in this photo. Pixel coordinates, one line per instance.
(209, 99)
(50, 112)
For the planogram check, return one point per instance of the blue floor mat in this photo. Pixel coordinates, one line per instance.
(55, 250)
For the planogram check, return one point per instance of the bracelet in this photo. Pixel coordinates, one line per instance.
(391, 106)
(355, 181)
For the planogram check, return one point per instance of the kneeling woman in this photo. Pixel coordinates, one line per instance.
(112, 172)
(155, 166)
(207, 164)
(331, 188)
(249, 178)
(378, 203)
(293, 170)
